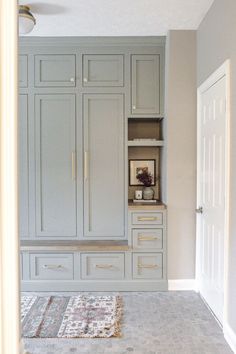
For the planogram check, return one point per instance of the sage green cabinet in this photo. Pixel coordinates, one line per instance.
(146, 84)
(147, 265)
(104, 206)
(103, 70)
(23, 70)
(55, 70)
(23, 171)
(55, 165)
(51, 266)
(99, 266)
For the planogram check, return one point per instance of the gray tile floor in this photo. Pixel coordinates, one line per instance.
(153, 323)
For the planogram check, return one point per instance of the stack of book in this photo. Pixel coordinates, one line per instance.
(146, 201)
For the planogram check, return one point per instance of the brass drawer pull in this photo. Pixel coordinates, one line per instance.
(146, 218)
(104, 266)
(148, 266)
(52, 266)
(147, 238)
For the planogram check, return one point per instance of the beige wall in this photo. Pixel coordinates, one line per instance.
(180, 133)
(216, 43)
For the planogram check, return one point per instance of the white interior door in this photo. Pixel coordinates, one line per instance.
(212, 176)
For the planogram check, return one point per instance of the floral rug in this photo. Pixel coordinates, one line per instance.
(80, 316)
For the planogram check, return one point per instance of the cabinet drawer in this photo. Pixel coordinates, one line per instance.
(147, 238)
(102, 266)
(103, 70)
(51, 266)
(23, 70)
(147, 266)
(54, 70)
(147, 218)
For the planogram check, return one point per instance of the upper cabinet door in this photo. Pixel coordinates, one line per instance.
(145, 85)
(103, 70)
(23, 70)
(23, 131)
(55, 70)
(55, 165)
(103, 165)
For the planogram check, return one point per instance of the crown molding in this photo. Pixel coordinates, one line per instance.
(92, 41)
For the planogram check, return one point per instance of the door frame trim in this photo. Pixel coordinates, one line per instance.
(222, 71)
(9, 241)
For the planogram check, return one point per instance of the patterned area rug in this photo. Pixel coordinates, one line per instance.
(71, 317)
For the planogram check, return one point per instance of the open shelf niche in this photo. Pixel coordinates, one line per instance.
(145, 142)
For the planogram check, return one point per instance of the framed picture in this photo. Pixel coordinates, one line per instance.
(137, 166)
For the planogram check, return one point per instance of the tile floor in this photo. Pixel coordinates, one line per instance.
(153, 323)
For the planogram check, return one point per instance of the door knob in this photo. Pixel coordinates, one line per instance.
(199, 210)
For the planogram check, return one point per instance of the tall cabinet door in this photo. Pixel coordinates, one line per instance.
(55, 165)
(23, 167)
(145, 85)
(103, 165)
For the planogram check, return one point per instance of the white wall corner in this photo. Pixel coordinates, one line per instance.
(182, 284)
(230, 336)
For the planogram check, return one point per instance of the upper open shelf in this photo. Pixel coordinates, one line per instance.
(145, 132)
(146, 143)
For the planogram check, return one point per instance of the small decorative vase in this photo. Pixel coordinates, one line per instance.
(148, 193)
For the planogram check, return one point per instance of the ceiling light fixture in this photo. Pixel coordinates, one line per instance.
(26, 20)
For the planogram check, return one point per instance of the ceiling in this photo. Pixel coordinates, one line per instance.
(115, 17)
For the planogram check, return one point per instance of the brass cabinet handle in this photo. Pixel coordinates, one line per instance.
(149, 266)
(86, 165)
(73, 165)
(52, 266)
(147, 238)
(146, 218)
(104, 266)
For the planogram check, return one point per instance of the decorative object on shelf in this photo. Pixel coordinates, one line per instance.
(146, 178)
(148, 193)
(144, 139)
(26, 20)
(138, 195)
(137, 168)
(145, 201)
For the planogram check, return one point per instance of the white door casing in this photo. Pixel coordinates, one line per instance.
(213, 190)
(9, 241)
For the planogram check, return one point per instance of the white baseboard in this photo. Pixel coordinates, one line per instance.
(181, 284)
(230, 337)
(22, 348)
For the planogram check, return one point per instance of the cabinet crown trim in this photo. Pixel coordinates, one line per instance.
(95, 41)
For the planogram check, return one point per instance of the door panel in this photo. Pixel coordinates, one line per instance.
(23, 166)
(54, 70)
(55, 148)
(103, 70)
(23, 70)
(103, 165)
(145, 84)
(212, 195)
